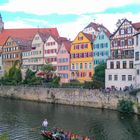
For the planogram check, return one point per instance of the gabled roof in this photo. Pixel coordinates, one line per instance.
(97, 27)
(25, 33)
(44, 36)
(88, 36)
(21, 42)
(135, 25)
(67, 45)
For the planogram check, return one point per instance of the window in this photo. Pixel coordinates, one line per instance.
(112, 65)
(80, 38)
(122, 43)
(122, 31)
(90, 65)
(106, 44)
(129, 77)
(136, 56)
(110, 77)
(115, 43)
(124, 64)
(137, 40)
(85, 65)
(138, 72)
(81, 65)
(115, 77)
(118, 65)
(129, 30)
(72, 66)
(76, 66)
(123, 77)
(102, 36)
(131, 64)
(130, 42)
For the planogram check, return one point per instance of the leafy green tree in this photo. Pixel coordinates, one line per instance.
(125, 106)
(99, 74)
(13, 76)
(48, 70)
(30, 78)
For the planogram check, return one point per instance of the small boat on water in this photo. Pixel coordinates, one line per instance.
(61, 135)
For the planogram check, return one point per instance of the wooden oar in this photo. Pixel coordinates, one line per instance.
(35, 128)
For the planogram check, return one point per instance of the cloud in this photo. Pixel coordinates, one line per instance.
(45, 7)
(71, 29)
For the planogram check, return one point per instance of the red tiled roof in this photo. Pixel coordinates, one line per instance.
(136, 25)
(89, 36)
(97, 27)
(67, 45)
(25, 33)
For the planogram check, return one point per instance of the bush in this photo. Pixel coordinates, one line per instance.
(4, 136)
(88, 85)
(125, 106)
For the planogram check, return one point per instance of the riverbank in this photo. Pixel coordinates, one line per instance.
(68, 96)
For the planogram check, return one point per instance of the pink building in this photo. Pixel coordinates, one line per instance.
(63, 62)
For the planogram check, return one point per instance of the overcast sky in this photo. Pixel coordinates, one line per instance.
(69, 16)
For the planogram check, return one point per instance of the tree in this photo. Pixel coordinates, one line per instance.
(30, 78)
(48, 70)
(99, 74)
(13, 76)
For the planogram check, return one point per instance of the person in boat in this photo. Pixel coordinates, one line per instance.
(45, 124)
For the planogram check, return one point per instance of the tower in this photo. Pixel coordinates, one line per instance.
(1, 24)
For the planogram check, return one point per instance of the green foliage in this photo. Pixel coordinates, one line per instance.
(55, 82)
(4, 136)
(73, 84)
(31, 79)
(99, 74)
(125, 106)
(88, 85)
(48, 69)
(13, 76)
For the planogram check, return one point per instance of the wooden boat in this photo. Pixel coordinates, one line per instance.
(48, 135)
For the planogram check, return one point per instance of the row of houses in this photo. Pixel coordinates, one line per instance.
(77, 59)
(72, 60)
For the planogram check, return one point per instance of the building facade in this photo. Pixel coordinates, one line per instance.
(63, 62)
(82, 68)
(12, 51)
(120, 65)
(120, 73)
(34, 58)
(137, 58)
(101, 48)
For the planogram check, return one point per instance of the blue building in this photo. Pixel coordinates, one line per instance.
(101, 48)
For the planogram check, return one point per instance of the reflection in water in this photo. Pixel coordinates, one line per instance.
(22, 120)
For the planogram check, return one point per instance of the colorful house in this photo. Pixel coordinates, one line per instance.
(82, 58)
(63, 62)
(12, 51)
(34, 58)
(101, 48)
(51, 48)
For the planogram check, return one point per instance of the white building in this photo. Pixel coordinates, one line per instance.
(33, 57)
(137, 58)
(120, 73)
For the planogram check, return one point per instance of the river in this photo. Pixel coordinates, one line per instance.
(21, 120)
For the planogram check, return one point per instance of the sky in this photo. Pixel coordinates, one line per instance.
(68, 16)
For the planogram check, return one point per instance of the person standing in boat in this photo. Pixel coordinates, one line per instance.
(45, 124)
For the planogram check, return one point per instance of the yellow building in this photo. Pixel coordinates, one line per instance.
(82, 68)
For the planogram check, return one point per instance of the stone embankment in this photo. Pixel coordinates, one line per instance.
(79, 97)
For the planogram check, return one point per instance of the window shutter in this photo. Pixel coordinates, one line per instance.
(132, 41)
(126, 42)
(118, 42)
